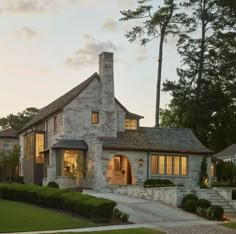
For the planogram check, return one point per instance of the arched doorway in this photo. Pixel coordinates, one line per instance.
(119, 171)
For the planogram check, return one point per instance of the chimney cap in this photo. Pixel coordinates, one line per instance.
(106, 56)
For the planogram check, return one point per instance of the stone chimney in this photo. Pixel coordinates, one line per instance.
(108, 112)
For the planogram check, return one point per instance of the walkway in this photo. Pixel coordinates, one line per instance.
(167, 218)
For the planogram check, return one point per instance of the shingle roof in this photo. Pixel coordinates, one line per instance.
(64, 100)
(8, 133)
(178, 140)
(71, 144)
(61, 102)
(230, 150)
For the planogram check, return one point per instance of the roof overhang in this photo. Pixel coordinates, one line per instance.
(70, 145)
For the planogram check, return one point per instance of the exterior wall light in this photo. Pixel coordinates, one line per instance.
(140, 162)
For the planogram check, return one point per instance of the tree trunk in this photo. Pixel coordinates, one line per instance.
(159, 79)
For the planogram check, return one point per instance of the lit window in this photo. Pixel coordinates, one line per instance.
(39, 147)
(154, 164)
(212, 169)
(131, 124)
(183, 165)
(176, 165)
(161, 165)
(169, 165)
(73, 164)
(94, 118)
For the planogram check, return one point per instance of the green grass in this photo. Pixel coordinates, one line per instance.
(124, 231)
(16, 217)
(230, 225)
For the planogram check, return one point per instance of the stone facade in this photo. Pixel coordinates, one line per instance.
(70, 118)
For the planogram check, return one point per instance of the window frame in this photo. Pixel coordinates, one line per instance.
(95, 113)
(181, 170)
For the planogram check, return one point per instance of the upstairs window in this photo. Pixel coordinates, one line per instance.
(55, 124)
(94, 118)
(131, 124)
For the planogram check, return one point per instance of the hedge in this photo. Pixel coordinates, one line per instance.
(153, 183)
(74, 202)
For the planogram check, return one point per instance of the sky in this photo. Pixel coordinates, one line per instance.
(48, 47)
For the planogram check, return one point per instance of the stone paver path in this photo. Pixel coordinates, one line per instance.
(200, 229)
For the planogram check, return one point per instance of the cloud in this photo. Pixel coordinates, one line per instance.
(87, 55)
(110, 25)
(26, 32)
(28, 6)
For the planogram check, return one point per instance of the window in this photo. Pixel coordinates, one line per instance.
(7, 146)
(154, 164)
(161, 165)
(183, 165)
(55, 124)
(169, 165)
(213, 169)
(39, 147)
(176, 165)
(70, 163)
(131, 124)
(94, 117)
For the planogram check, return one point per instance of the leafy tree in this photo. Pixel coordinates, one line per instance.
(204, 95)
(154, 23)
(9, 161)
(18, 121)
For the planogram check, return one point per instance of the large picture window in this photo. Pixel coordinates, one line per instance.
(169, 165)
(70, 163)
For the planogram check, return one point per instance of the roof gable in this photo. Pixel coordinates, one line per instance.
(61, 102)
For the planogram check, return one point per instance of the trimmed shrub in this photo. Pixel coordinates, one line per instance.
(153, 183)
(234, 194)
(190, 206)
(203, 203)
(216, 212)
(53, 184)
(74, 202)
(187, 197)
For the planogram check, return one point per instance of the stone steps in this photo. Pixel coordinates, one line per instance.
(216, 199)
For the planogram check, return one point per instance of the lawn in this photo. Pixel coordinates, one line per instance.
(230, 225)
(124, 231)
(16, 217)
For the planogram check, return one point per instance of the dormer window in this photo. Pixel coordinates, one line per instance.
(94, 118)
(131, 124)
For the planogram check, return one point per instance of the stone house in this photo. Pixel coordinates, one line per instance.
(88, 137)
(227, 154)
(8, 139)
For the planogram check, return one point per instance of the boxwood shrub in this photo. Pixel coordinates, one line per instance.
(187, 197)
(153, 183)
(190, 206)
(216, 212)
(74, 202)
(203, 203)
